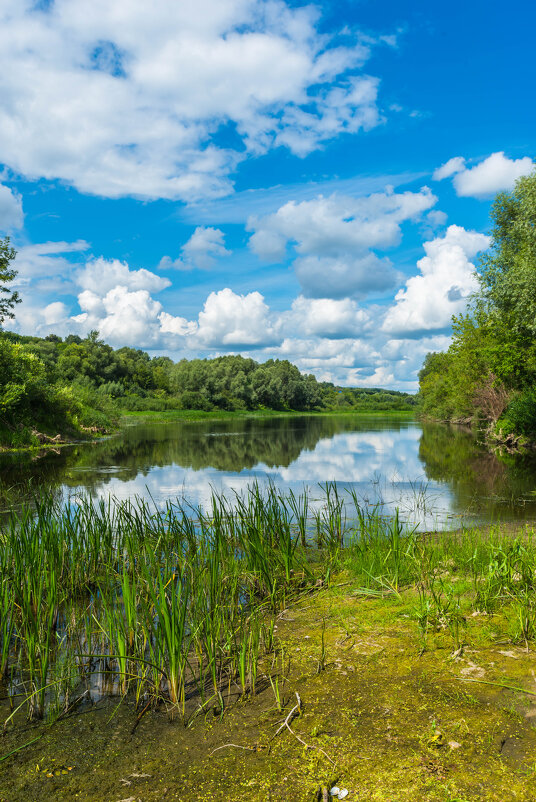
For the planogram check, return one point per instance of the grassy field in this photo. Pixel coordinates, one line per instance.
(220, 414)
(265, 649)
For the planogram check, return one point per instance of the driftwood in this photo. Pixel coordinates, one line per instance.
(45, 438)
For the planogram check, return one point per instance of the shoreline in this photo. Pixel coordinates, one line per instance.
(131, 418)
(378, 716)
(399, 666)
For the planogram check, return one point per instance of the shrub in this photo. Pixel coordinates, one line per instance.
(521, 413)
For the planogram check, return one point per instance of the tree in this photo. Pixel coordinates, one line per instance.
(8, 297)
(491, 363)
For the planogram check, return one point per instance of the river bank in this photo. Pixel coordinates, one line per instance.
(399, 666)
(41, 441)
(378, 717)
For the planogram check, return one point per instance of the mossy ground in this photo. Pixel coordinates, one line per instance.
(399, 724)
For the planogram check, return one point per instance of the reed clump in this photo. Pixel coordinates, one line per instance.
(177, 606)
(172, 606)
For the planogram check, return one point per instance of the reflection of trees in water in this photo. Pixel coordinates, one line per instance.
(25, 476)
(452, 454)
(224, 445)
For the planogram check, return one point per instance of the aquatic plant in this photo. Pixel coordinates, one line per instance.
(178, 605)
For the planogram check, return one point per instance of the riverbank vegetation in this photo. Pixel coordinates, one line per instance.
(76, 386)
(488, 375)
(297, 638)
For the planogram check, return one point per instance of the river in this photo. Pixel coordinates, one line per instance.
(437, 476)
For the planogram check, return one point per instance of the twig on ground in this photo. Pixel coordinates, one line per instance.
(235, 746)
(296, 710)
(140, 716)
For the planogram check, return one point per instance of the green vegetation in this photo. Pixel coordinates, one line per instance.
(133, 381)
(76, 386)
(488, 375)
(8, 297)
(178, 605)
(408, 652)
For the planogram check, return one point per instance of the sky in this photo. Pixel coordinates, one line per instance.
(287, 180)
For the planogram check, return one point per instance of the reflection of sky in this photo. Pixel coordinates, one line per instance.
(383, 467)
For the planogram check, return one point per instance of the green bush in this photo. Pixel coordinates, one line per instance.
(520, 414)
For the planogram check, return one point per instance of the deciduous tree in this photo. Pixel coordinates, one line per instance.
(8, 297)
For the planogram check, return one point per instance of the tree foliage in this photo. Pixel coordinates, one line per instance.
(85, 382)
(8, 297)
(489, 371)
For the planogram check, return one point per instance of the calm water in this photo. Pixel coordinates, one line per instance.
(434, 474)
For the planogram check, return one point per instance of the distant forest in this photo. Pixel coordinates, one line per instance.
(74, 384)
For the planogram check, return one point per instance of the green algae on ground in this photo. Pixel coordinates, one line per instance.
(399, 724)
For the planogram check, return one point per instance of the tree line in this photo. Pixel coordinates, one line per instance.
(488, 374)
(52, 384)
(75, 384)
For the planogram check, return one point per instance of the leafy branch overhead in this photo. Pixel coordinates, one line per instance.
(8, 297)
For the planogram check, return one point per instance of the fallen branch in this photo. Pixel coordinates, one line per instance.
(235, 746)
(497, 685)
(296, 710)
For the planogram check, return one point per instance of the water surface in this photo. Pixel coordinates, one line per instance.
(436, 475)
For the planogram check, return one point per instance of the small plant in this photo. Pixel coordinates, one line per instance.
(322, 659)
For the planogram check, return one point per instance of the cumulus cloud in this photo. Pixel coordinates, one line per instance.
(447, 279)
(326, 317)
(204, 246)
(436, 218)
(333, 239)
(101, 275)
(130, 98)
(11, 214)
(44, 268)
(454, 165)
(122, 317)
(497, 173)
(170, 324)
(228, 319)
(339, 277)
(334, 355)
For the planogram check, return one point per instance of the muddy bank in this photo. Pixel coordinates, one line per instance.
(379, 716)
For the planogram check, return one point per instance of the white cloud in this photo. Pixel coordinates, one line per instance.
(112, 298)
(228, 319)
(54, 313)
(436, 218)
(325, 317)
(130, 318)
(497, 173)
(454, 165)
(128, 98)
(101, 275)
(201, 250)
(334, 355)
(339, 277)
(333, 238)
(176, 325)
(428, 301)
(42, 268)
(11, 214)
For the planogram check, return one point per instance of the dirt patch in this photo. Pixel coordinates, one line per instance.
(377, 717)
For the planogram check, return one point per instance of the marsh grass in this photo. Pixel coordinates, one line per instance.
(177, 606)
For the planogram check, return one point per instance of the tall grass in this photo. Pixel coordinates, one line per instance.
(177, 606)
(173, 605)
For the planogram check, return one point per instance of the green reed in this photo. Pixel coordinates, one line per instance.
(178, 605)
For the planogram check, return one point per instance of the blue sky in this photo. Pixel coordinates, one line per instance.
(288, 180)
